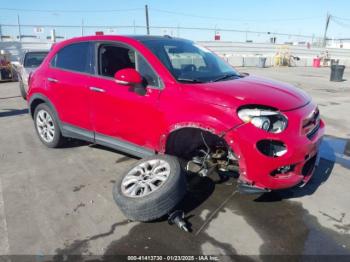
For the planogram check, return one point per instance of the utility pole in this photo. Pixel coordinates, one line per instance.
(147, 19)
(82, 27)
(19, 29)
(328, 18)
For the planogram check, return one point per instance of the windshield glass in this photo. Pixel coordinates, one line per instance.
(189, 62)
(34, 59)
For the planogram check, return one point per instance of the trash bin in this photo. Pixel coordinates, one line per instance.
(261, 62)
(316, 62)
(337, 72)
(334, 62)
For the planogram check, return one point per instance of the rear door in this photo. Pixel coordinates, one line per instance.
(68, 82)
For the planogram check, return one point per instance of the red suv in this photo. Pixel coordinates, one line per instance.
(146, 95)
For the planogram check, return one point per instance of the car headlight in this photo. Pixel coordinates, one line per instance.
(267, 119)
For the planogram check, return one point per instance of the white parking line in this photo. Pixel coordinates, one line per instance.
(4, 241)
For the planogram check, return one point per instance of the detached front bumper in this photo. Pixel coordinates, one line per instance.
(294, 167)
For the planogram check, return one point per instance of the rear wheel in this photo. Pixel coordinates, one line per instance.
(46, 126)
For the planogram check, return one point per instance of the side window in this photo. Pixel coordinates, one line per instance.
(149, 76)
(74, 57)
(114, 58)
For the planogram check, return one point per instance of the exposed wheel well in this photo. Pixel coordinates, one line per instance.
(34, 104)
(186, 141)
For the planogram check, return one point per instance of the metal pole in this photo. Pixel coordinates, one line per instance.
(0, 33)
(134, 26)
(82, 27)
(147, 19)
(324, 43)
(19, 29)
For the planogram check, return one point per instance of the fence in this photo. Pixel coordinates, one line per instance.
(26, 32)
(233, 45)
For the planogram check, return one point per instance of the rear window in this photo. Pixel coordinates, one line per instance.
(74, 57)
(34, 59)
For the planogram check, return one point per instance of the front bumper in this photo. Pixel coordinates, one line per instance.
(259, 170)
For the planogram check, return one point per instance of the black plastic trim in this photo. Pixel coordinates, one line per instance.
(123, 146)
(78, 133)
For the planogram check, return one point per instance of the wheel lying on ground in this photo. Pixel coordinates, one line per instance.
(151, 188)
(46, 126)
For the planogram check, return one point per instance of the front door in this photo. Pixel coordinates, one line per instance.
(118, 112)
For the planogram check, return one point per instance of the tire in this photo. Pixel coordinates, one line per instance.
(56, 138)
(22, 90)
(158, 203)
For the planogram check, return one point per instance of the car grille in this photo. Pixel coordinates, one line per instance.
(313, 131)
(311, 124)
(309, 166)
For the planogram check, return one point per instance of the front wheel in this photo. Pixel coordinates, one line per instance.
(46, 126)
(151, 188)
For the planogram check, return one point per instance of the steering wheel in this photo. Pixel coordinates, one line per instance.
(190, 68)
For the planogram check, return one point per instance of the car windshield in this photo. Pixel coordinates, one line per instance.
(189, 62)
(34, 59)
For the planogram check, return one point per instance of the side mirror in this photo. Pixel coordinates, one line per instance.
(128, 77)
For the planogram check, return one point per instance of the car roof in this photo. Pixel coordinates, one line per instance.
(139, 38)
(142, 38)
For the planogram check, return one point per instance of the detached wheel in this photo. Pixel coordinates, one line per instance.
(22, 90)
(46, 126)
(151, 188)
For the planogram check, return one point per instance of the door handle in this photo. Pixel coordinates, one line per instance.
(97, 89)
(52, 80)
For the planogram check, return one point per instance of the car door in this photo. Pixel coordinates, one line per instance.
(120, 115)
(68, 80)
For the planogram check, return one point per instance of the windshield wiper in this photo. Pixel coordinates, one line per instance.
(223, 77)
(190, 80)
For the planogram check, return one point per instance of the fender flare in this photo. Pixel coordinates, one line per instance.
(47, 102)
(181, 125)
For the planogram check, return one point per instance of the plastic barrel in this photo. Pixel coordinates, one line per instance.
(337, 72)
(316, 62)
(262, 62)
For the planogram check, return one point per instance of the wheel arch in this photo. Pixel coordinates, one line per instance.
(37, 99)
(185, 138)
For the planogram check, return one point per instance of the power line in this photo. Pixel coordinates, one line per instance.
(342, 24)
(340, 18)
(230, 19)
(70, 11)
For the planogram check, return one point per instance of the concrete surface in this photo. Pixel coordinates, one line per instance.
(59, 201)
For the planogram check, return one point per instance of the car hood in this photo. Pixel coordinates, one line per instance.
(250, 90)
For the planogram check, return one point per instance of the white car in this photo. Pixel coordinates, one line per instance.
(30, 61)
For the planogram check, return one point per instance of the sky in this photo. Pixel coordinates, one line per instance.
(305, 17)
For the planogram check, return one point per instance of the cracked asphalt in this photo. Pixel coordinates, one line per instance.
(59, 201)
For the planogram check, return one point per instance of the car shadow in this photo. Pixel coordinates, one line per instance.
(13, 112)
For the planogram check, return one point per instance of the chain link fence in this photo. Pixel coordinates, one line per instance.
(36, 33)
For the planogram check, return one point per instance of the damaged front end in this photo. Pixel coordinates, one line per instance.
(277, 160)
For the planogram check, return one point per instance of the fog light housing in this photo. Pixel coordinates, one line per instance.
(271, 148)
(282, 170)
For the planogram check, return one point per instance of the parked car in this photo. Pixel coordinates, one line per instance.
(30, 61)
(147, 95)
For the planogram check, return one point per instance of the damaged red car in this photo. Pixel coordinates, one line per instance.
(146, 95)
